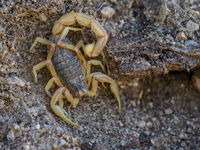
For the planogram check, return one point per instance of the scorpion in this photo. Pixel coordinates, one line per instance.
(69, 69)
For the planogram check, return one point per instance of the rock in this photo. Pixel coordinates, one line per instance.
(37, 126)
(133, 103)
(26, 147)
(195, 13)
(121, 124)
(181, 36)
(13, 80)
(17, 131)
(43, 17)
(123, 142)
(75, 141)
(141, 124)
(191, 43)
(63, 142)
(168, 111)
(154, 140)
(149, 124)
(192, 26)
(107, 12)
(11, 135)
(183, 144)
(189, 130)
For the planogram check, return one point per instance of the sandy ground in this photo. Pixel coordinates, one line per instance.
(153, 53)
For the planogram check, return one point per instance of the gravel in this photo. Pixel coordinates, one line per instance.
(159, 111)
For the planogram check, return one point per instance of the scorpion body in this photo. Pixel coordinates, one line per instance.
(69, 68)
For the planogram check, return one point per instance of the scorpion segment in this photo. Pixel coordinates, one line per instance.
(42, 64)
(60, 93)
(61, 27)
(100, 77)
(81, 88)
(50, 84)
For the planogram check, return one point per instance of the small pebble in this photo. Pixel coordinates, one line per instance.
(93, 141)
(154, 140)
(149, 124)
(168, 111)
(154, 119)
(123, 142)
(141, 124)
(133, 103)
(189, 130)
(191, 44)
(192, 26)
(14, 80)
(121, 124)
(107, 12)
(182, 135)
(26, 147)
(75, 141)
(183, 144)
(17, 130)
(59, 129)
(37, 126)
(176, 120)
(63, 142)
(181, 36)
(150, 104)
(11, 135)
(195, 13)
(42, 17)
(3, 68)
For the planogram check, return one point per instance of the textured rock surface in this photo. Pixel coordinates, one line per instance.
(160, 111)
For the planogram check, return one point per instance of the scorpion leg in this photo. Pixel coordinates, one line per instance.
(50, 84)
(65, 32)
(42, 64)
(46, 42)
(99, 77)
(93, 62)
(82, 58)
(43, 41)
(58, 109)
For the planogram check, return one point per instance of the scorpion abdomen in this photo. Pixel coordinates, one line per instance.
(68, 67)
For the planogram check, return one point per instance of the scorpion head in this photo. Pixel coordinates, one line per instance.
(81, 89)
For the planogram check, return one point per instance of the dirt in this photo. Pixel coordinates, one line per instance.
(153, 53)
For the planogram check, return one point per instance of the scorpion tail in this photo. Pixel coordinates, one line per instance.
(58, 109)
(63, 114)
